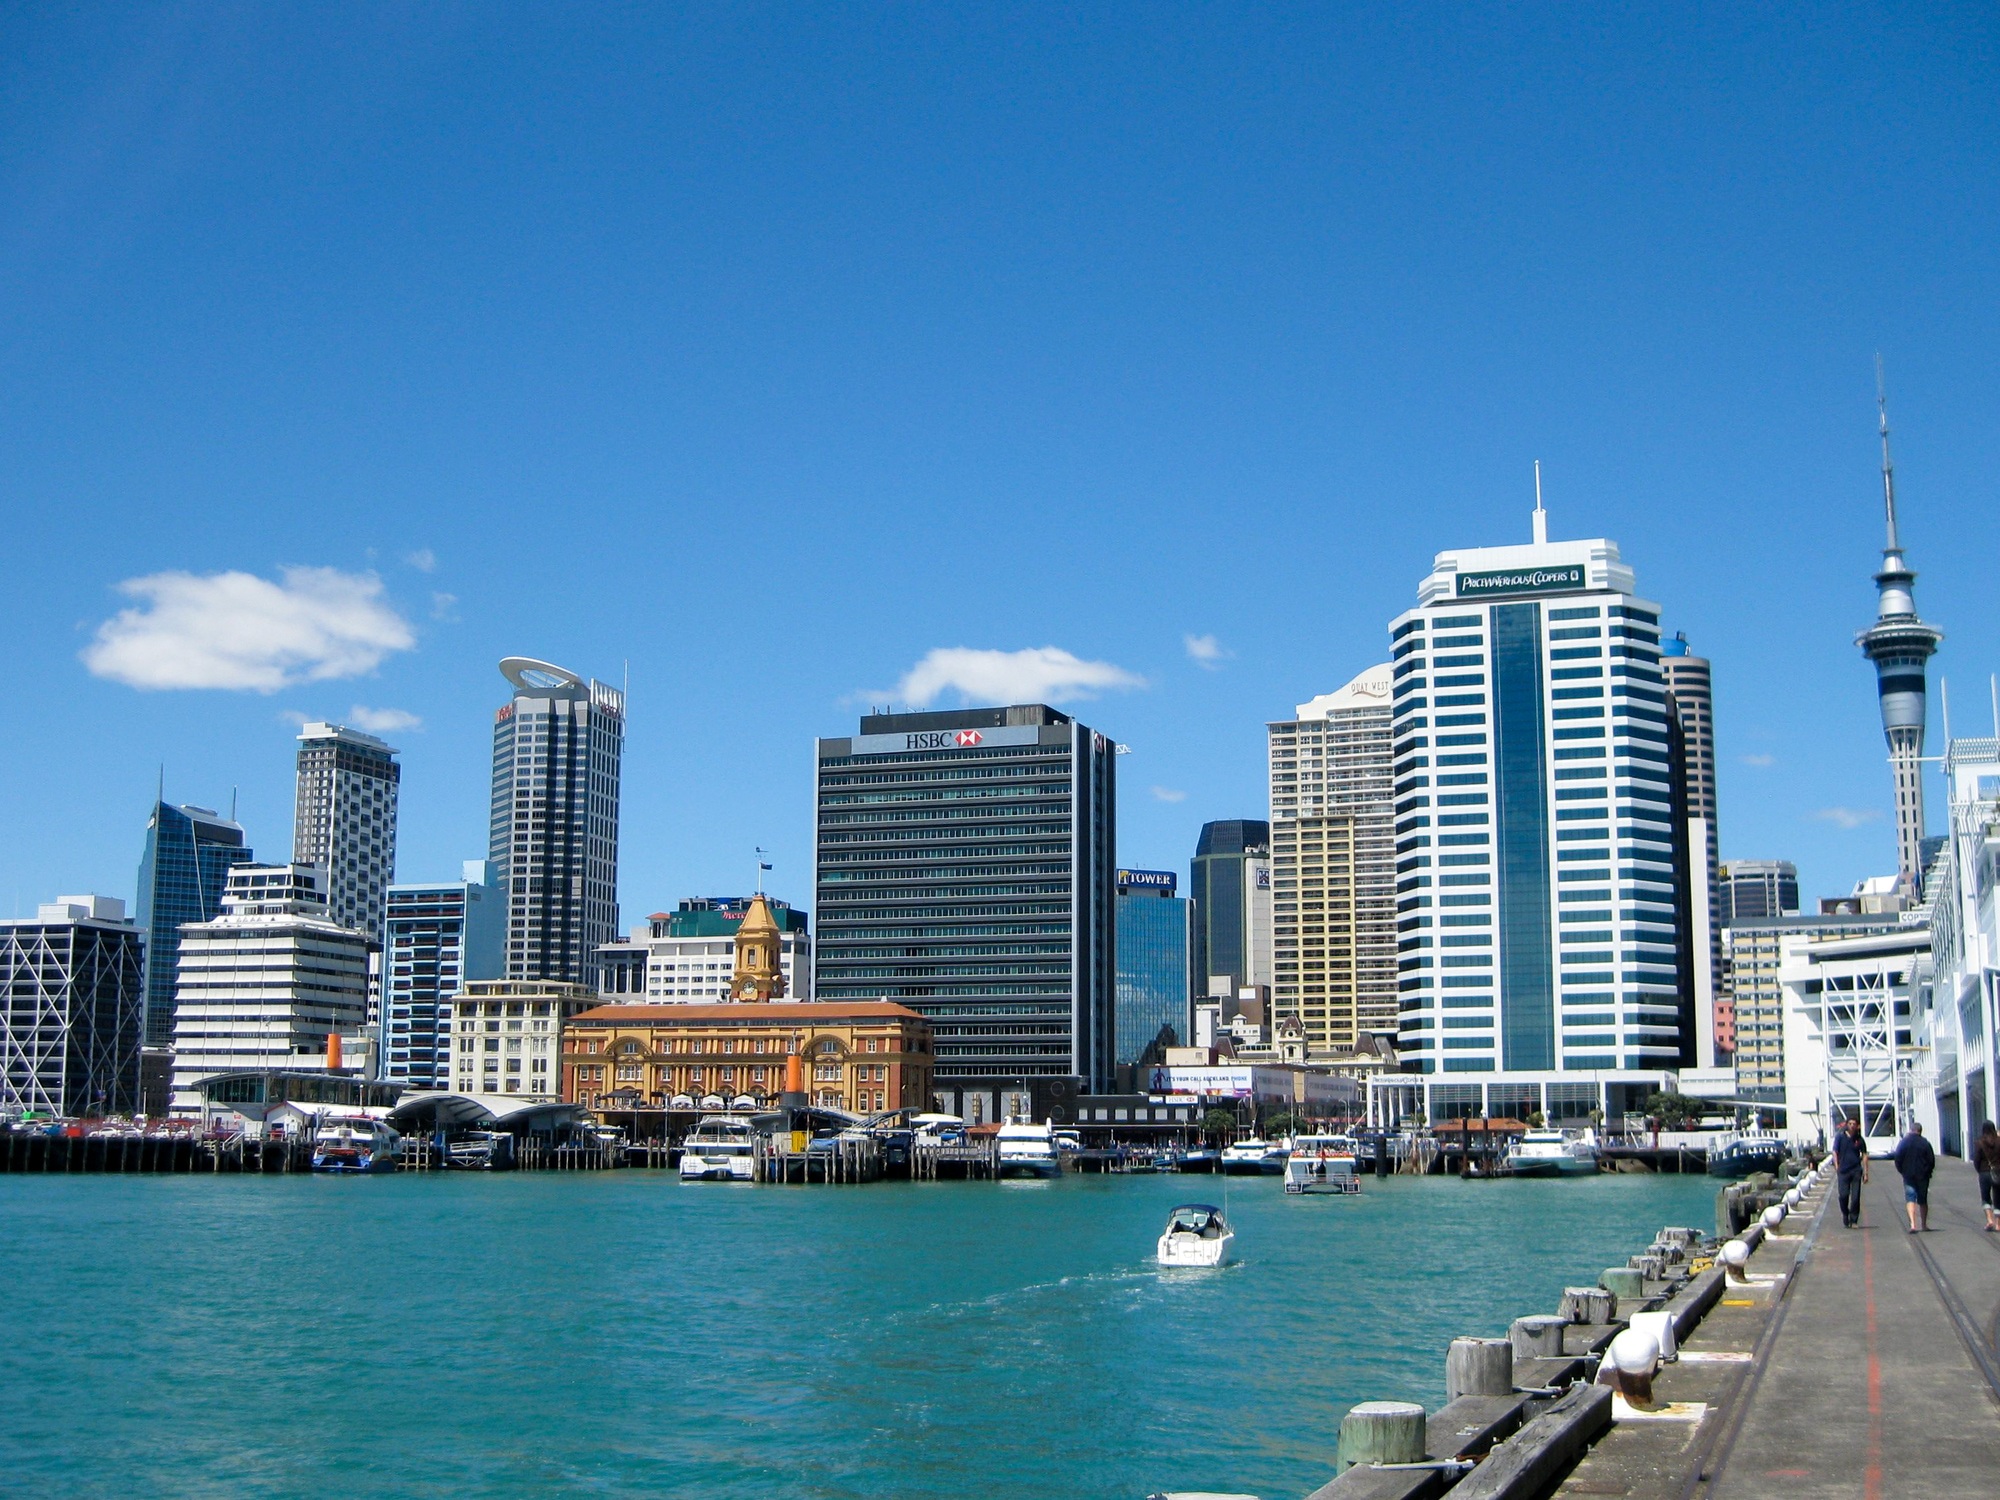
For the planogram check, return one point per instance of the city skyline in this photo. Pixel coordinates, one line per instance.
(1105, 390)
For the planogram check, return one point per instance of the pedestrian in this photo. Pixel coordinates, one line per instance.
(1850, 1164)
(1986, 1160)
(1916, 1161)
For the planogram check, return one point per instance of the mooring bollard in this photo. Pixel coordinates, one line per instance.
(1478, 1367)
(1589, 1304)
(1792, 1196)
(1661, 1326)
(1773, 1217)
(1629, 1365)
(1381, 1432)
(1733, 1257)
(1623, 1281)
(1652, 1267)
(1538, 1336)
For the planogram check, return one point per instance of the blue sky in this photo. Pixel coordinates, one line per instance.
(769, 350)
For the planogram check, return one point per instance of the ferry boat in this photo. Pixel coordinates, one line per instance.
(1254, 1157)
(1322, 1164)
(353, 1143)
(1028, 1150)
(1553, 1153)
(1197, 1235)
(1738, 1153)
(720, 1148)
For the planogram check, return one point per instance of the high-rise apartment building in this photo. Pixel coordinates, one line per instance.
(189, 854)
(1155, 968)
(1691, 700)
(1900, 645)
(557, 751)
(263, 985)
(1229, 881)
(439, 935)
(344, 820)
(685, 956)
(72, 1008)
(1538, 915)
(964, 868)
(1754, 890)
(1333, 867)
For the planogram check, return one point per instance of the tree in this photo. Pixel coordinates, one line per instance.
(1675, 1111)
(1219, 1124)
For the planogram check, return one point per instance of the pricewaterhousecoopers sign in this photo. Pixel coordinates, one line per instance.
(1522, 581)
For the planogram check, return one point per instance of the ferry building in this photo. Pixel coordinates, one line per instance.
(1541, 841)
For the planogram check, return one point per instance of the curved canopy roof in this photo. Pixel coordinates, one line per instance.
(429, 1109)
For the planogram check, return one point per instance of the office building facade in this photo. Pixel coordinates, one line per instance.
(265, 983)
(1759, 948)
(1155, 964)
(1537, 785)
(1229, 881)
(1756, 890)
(1962, 1028)
(505, 1035)
(439, 934)
(558, 750)
(685, 956)
(964, 866)
(72, 1008)
(1333, 868)
(344, 820)
(189, 854)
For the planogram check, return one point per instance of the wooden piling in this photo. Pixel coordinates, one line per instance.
(1478, 1367)
(1382, 1432)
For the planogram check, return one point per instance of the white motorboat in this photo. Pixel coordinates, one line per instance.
(352, 1142)
(1322, 1164)
(1254, 1156)
(1553, 1153)
(1197, 1235)
(1028, 1150)
(720, 1148)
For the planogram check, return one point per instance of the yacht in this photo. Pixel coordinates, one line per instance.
(1028, 1150)
(1322, 1164)
(1553, 1153)
(1738, 1153)
(1254, 1156)
(1197, 1235)
(720, 1148)
(351, 1143)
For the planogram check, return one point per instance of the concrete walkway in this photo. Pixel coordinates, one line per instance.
(1869, 1389)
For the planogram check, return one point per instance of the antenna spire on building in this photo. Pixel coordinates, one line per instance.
(1541, 516)
(1888, 469)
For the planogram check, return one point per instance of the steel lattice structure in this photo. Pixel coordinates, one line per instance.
(72, 1013)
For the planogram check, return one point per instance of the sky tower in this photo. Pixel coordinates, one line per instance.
(1900, 644)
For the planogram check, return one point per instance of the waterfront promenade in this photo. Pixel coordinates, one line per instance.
(1869, 1388)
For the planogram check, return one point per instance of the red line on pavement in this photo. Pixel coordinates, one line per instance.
(1871, 1482)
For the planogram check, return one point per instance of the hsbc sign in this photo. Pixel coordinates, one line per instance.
(943, 739)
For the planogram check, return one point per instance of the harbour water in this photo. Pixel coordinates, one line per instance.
(620, 1334)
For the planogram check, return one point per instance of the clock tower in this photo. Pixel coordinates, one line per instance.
(759, 974)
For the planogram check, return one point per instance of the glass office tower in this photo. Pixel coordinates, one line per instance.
(189, 854)
(1155, 964)
(1229, 881)
(1538, 779)
(964, 865)
(439, 935)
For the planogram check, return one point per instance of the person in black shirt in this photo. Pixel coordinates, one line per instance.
(1850, 1162)
(1916, 1161)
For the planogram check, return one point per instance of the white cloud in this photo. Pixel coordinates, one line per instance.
(1168, 794)
(1760, 760)
(423, 560)
(383, 720)
(1206, 651)
(1848, 817)
(444, 607)
(239, 631)
(1047, 674)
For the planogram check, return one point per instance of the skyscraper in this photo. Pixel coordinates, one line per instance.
(189, 854)
(1691, 701)
(557, 750)
(1333, 867)
(1900, 646)
(439, 935)
(71, 1008)
(344, 820)
(1753, 890)
(1229, 880)
(1537, 909)
(1155, 972)
(964, 865)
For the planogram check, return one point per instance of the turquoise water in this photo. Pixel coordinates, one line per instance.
(620, 1334)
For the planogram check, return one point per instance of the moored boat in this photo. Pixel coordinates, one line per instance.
(720, 1148)
(1322, 1164)
(1738, 1153)
(1028, 1150)
(351, 1143)
(1553, 1153)
(1197, 1235)
(1253, 1156)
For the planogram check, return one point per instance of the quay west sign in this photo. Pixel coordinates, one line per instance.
(1559, 580)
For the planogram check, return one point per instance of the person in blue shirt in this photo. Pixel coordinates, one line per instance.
(1916, 1161)
(1850, 1165)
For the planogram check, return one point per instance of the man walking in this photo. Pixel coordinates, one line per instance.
(1850, 1164)
(1916, 1161)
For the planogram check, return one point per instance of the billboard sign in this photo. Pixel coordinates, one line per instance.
(1158, 880)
